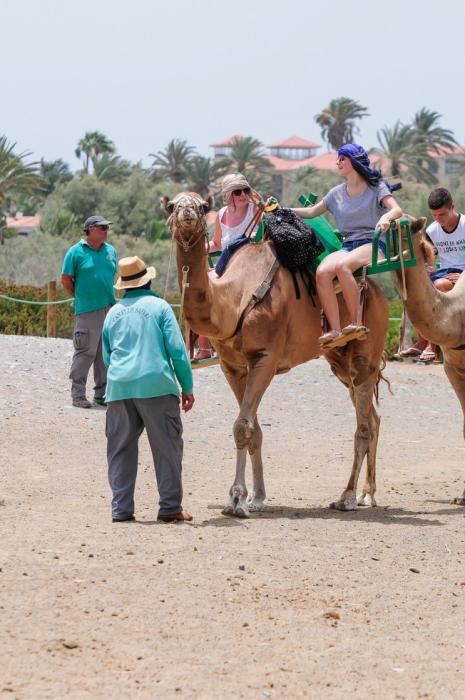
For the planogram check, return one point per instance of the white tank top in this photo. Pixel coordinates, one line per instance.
(231, 233)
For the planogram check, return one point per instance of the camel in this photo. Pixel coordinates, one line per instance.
(260, 329)
(439, 317)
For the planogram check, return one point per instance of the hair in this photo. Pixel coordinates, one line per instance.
(440, 197)
(361, 163)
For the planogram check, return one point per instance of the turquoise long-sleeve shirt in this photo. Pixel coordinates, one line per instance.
(143, 349)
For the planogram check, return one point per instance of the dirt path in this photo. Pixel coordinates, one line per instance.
(299, 601)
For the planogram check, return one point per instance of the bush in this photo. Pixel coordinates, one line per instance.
(17, 318)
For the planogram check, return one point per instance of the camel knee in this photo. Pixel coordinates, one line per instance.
(362, 433)
(256, 439)
(361, 369)
(243, 432)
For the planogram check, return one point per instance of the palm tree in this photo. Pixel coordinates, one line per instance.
(337, 121)
(407, 152)
(171, 163)
(16, 177)
(54, 173)
(109, 168)
(425, 124)
(201, 174)
(246, 155)
(92, 146)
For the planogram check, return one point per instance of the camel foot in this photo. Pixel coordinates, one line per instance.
(366, 499)
(459, 501)
(235, 512)
(255, 504)
(345, 503)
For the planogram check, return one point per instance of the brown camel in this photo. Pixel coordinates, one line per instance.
(255, 342)
(439, 317)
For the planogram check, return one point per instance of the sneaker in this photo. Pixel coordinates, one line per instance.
(99, 401)
(127, 519)
(82, 402)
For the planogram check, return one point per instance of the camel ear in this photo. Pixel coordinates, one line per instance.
(166, 204)
(206, 205)
(418, 224)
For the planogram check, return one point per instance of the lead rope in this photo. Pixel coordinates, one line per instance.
(170, 259)
(401, 259)
(184, 285)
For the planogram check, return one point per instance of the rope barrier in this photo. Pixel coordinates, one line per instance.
(30, 301)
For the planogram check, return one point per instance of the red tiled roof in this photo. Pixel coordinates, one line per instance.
(23, 221)
(454, 151)
(285, 164)
(226, 142)
(294, 142)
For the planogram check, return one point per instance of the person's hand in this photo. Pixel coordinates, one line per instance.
(453, 276)
(187, 401)
(384, 223)
(272, 204)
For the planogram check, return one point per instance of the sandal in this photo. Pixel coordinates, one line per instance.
(352, 328)
(410, 352)
(329, 337)
(427, 356)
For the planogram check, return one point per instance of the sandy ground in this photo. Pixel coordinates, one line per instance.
(300, 601)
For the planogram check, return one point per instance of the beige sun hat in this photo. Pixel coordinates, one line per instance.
(134, 273)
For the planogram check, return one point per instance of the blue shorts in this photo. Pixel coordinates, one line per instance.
(349, 246)
(439, 274)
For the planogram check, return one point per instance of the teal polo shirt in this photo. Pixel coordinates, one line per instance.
(143, 349)
(94, 273)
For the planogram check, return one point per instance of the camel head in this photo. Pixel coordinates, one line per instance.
(187, 218)
(417, 226)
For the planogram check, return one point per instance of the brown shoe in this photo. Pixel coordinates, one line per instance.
(175, 517)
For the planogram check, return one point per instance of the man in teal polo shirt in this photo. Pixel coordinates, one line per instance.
(145, 354)
(88, 274)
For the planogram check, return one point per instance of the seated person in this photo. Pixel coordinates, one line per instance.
(232, 221)
(447, 234)
(360, 205)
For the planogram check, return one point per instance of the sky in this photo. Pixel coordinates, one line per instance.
(144, 71)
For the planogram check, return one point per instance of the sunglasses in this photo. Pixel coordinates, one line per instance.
(245, 190)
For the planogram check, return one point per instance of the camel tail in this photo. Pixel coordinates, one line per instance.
(381, 377)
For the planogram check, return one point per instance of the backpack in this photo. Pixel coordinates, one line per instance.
(295, 243)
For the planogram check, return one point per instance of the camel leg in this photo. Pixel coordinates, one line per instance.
(247, 437)
(367, 497)
(237, 498)
(363, 400)
(256, 499)
(456, 376)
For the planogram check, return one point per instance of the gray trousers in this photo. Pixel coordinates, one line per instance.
(125, 422)
(87, 340)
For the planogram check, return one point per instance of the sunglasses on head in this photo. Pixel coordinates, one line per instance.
(245, 190)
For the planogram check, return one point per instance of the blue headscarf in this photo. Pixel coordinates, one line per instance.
(361, 163)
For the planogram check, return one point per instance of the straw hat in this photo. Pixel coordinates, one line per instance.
(134, 273)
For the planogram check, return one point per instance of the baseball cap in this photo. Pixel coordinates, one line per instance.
(95, 221)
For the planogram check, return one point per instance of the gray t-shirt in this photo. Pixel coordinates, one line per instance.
(356, 217)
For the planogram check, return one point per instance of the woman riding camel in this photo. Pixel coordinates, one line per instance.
(360, 205)
(236, 218)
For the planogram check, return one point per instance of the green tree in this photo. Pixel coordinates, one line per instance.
(246, 155)
(16, 178)
(338, 121)
(428, 131)
(53, 173)
(171, 163)
(407, 153)
(92, 146)
(201, 174)
(110, 168)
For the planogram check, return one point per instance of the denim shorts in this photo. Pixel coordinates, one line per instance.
(349, 246)
(439, 274)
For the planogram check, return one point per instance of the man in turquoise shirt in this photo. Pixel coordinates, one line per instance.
(146, 358)
(88, 274)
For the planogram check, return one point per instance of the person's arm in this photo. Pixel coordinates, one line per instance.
(68, 283)
(310, 212)
(394, 212)
(176, 350)
(215, 243)
(106, 350)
